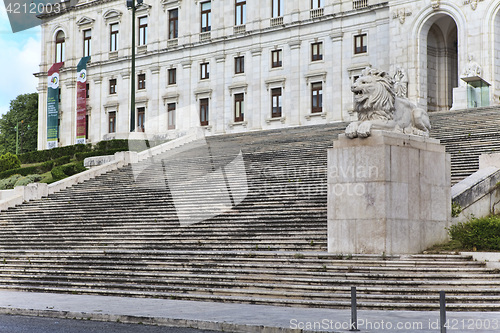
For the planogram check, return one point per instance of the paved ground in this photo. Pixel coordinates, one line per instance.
(235, 317)
(25, 324)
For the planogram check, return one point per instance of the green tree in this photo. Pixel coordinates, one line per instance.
(23, 111)
(9, 161)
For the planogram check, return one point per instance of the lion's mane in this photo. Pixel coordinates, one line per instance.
(379, 87)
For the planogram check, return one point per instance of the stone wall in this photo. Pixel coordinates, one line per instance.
(388, 193)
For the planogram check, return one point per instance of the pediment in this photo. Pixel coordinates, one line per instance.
(143, 9)
(170, 3)
(112, 14)
(85, 21)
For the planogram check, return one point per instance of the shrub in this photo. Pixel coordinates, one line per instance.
(123, 145)
(8, 183)
(104, 147)
(83, 156)
(46, 166)
(58, 173)
(481, 234)
(39, 169)
(22, 171)
(455, 209)
(23, 181)
(62, 160)
(73, 168)
(9, 161)
(51, 154)
(112, 144)
(64, 171)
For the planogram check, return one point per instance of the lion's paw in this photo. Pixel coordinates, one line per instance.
(352, 130)
(364, 129)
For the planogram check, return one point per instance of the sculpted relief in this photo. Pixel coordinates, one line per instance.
(379, 107)
(472, 68)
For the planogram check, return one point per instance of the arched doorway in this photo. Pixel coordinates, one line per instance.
(442, 63)
(496, 58)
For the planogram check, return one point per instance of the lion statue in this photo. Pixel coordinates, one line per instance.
(379, 108)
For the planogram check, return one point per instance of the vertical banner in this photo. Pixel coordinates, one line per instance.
(81, 100)
(53, 105)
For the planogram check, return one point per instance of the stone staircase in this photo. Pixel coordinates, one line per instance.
(121, 234)
(466, 135)
(259, 277)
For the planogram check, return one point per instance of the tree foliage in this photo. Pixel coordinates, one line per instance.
(9, 161)
(23, 110)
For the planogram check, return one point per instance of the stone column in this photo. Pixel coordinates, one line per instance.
(291, 96)
(67, 135)
(156, 117)
(123, 114)
(218, 108)
(255, 106)
(388, 193)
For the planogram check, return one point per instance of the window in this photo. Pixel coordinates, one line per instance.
(173, 23)
(87, 127)
(113, 39)
(112, 122)
(171, 115)
(239, 65)
(204, 112)
(87, 36)
(141, 81)
(315, 4)
(172, 76)
(60, 47)
(240, 12)
(239, 107)
(316, 51)
(317, 97)
(206, 20)
(277, 56)
(277, 8)
(276, 103)
(360, 42)
(112, 86)
(205, 71)
(143, 30)
(141, 117)
(87, 89)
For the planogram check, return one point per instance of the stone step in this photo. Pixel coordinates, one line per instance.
(485, 305)
(426, 262)
(265, 273)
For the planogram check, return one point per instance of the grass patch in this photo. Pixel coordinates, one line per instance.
(451, 246)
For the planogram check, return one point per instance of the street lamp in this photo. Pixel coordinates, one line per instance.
(133, 6)
(17, 135)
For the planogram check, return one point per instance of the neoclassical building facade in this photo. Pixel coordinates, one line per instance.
(230, 66)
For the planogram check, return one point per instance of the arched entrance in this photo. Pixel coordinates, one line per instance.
(496, 59)
(442, 62)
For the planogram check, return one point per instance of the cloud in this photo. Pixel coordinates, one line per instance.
(19, 59)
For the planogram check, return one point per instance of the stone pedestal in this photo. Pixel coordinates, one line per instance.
(459, 98)
(388, 193)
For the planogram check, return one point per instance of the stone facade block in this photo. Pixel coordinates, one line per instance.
(403, 25)
(402, 205)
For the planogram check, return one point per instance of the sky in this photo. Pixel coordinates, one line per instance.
(19, 59)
